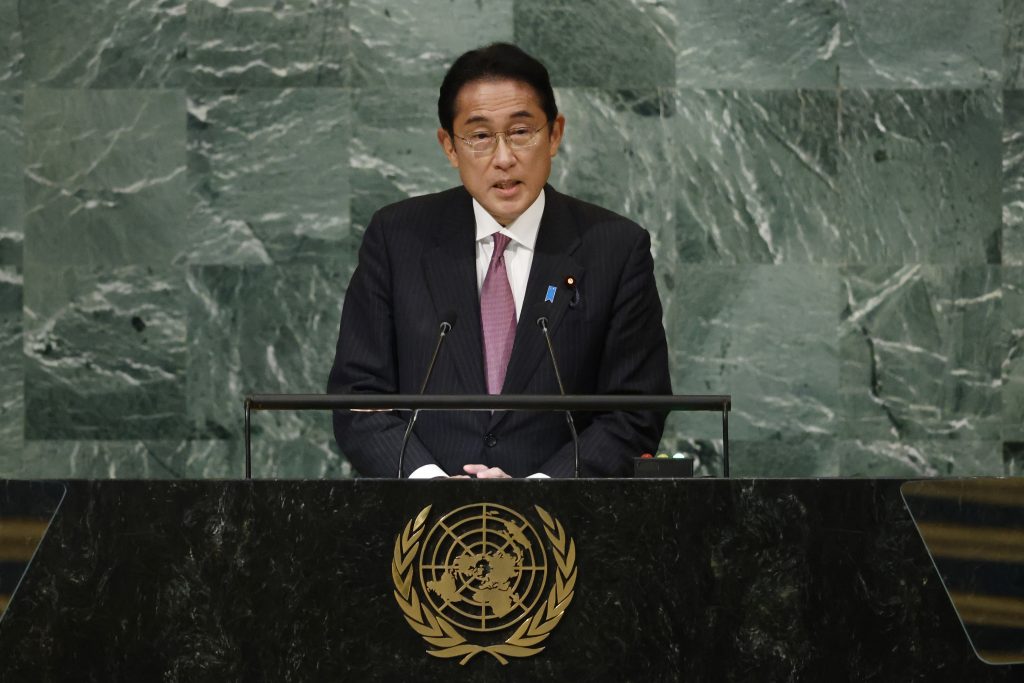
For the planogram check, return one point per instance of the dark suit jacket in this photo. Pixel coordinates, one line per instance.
(418, 262)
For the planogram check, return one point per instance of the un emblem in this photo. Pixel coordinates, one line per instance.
(486, 581)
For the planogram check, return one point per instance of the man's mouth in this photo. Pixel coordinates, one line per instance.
(506, 185)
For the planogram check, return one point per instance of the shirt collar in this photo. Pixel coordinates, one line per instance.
(522, 230)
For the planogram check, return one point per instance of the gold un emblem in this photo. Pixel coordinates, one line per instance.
(479, 580)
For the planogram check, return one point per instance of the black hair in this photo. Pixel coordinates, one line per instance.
(497, 61)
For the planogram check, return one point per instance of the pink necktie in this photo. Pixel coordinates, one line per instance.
(497, 316)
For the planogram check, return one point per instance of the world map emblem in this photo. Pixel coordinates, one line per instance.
(482, 579)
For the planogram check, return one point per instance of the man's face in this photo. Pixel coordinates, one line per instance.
(506, 181)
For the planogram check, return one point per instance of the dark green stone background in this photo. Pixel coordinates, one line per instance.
(835, 192)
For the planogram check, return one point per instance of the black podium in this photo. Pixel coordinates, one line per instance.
(705, 580)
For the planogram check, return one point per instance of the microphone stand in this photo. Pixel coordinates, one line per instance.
(543, 322)
(445, 328)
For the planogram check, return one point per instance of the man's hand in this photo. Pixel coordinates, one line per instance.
(485, 472)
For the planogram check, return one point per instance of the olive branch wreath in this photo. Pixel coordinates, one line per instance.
(438, 632)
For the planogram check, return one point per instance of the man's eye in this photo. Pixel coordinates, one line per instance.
(480, 137)
(520, 133)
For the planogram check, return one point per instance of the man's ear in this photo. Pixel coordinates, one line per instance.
(448, 147)
(555, 134)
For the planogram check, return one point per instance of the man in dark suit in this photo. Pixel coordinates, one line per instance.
(493, 253)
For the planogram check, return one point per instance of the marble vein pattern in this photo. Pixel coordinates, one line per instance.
(413, 43)
(104, 353)
(801, 456)
(616, 153)
(395, 153)
(920, 176)
(607, 44)
(921, 352)
(944, 44)
(268, 43)
(11, 54)
(11, 179)
(124, 459)
(756, 176)
(104, 176)
(261, 329)
(1013, 178)
(104, 43)
(268, 174)
(762, 44)
(765, 334)
(184, 185)
(1013, 359)
(1013, 44)
(12, 373)
(919, 458)
(305, 457)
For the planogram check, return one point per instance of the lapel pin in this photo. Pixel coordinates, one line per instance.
(550, 296)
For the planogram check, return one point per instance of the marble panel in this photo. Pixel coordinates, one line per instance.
(933, 458)
(919, 176)
(1013, 44)
(921, 352)
(606, 44)
(124, 460)
(268, 43)
(929, 44)
(104, 353)
(104, 43)
(12, 185)
(1013, 178)
(756, 176)
(12, 373)
(1013, 361)
(413, 43)
(268, 172)
(808, 456)
(11, 53)
(616, 153)
(766, 335)
(261, 329)
(105, 177)
(303, 458)
(395, 153)
(760, 44)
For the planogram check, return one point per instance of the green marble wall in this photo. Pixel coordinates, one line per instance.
(835, 191)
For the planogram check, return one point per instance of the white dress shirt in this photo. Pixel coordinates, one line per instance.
(518, 260)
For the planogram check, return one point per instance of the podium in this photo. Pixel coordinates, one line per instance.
(703, 579)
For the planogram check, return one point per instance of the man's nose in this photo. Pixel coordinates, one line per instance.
(503, 155)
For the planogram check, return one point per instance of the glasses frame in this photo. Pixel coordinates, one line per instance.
(508, 141)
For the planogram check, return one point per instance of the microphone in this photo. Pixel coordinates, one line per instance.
(447, 322)
(542, 322)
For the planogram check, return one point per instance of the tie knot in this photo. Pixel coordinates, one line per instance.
(500, 242)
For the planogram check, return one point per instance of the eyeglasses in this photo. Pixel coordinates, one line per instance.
(483, 143)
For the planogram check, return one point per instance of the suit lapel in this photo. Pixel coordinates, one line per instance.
(450, 272)
(553, 262)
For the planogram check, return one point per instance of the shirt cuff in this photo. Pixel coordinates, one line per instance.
(538, 475)
(428, 472)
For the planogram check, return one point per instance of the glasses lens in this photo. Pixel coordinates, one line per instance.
(519, 137)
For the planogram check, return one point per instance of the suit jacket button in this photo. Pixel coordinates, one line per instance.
(490, 441)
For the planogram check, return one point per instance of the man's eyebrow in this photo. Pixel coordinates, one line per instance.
(480, 118)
